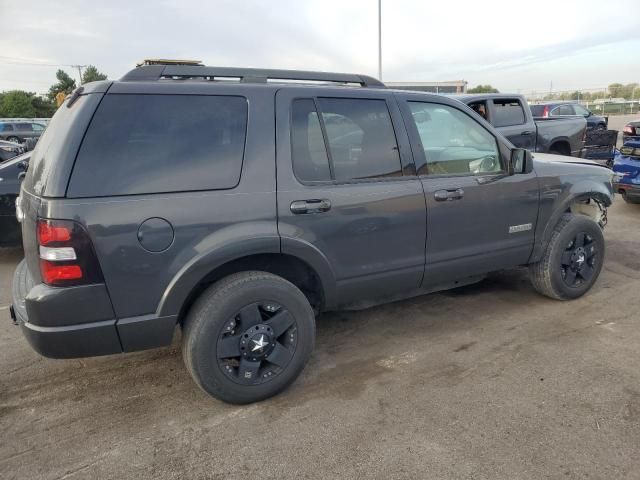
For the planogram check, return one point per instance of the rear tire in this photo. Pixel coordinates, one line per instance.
(559, 151)
(248, 337)
(13, 139)
(572, 260)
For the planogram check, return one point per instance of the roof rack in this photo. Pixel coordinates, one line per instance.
(171, 70)
(166, 61)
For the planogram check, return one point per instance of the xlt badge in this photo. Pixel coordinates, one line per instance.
(520, 228)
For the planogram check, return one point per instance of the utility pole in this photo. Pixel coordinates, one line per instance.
(79, 67)
(380, 40)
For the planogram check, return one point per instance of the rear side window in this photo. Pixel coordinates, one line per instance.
(360, 140)
(140, 144)
(507, 112)
(6, 127)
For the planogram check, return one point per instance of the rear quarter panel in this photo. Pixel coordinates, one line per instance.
(202, 222)
(554, 130)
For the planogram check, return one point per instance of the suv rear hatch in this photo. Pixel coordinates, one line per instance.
(51, 165)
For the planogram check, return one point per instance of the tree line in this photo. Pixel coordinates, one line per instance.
(630, 91)
(23, 104)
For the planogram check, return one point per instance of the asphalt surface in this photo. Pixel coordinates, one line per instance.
(490, 381)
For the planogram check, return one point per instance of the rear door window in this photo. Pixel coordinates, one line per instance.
(347, 139)
(362, 142)
(139, 144)
(507, 112)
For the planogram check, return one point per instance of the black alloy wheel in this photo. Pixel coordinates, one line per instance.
(579, 260)
(257, 344)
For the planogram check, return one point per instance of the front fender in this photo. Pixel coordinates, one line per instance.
(581, 190)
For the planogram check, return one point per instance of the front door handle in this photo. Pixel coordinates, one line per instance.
(448, 195)
(310, 206)
(526, 133)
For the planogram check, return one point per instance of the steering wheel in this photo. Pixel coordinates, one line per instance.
(488, 164)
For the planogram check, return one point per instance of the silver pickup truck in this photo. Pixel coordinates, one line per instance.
(511, 116)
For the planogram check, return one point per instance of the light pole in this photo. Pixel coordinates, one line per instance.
(380, 40)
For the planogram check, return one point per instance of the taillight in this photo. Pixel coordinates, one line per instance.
(66, 254)
(545, 112)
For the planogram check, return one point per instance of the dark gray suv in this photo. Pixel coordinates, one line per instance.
(237, 204)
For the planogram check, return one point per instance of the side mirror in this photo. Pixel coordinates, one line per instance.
(521, 161)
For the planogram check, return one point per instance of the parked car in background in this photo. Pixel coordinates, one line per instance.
(631, 129)
(9, 189)
(9, 150)
(626, 167)
(511, 116)
(19, 132)
(240, 210)
(566, 109)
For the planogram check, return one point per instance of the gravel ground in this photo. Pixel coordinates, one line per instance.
(490, 381)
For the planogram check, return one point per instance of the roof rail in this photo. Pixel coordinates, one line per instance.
(167, 61)
(246, 75)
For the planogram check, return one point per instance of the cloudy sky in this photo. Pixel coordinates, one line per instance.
(514, 45)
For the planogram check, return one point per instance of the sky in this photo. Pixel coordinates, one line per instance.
(514, 45)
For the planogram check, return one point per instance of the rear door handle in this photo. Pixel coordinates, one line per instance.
(310, 206)
(526, 133)
(448, 195)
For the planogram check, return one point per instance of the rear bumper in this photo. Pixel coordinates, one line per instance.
(79, 321)
(630, 190)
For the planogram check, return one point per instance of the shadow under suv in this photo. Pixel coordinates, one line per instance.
(238, 203)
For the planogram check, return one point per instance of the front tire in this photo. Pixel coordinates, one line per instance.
(248, 337)
(572, 260)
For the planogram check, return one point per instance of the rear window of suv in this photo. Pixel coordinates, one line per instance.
(139, 144)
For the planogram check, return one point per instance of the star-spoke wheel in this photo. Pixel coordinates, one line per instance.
(248, 336)
(257, 343)
(579, 260)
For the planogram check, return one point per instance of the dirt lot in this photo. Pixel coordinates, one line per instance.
(490, 381)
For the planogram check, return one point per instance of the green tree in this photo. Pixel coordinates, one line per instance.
(483, 89)
(16, 103)
(44, 107)
(616, 90)
(91, 74)
(65, 84)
